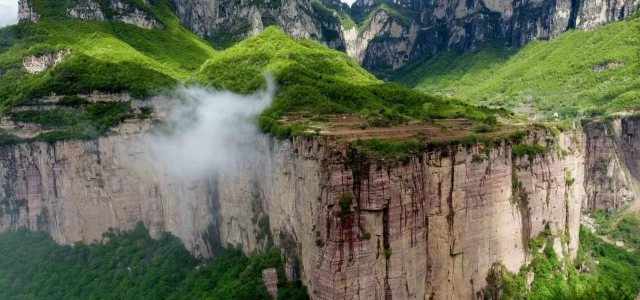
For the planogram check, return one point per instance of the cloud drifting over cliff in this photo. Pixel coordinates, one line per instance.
(209, 131)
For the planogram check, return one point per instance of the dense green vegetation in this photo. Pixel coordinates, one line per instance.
(88, 122)
(614, 276)
(107, 56)
(361, 17)
(131, 265)
(560, 75)
(315, 80)
(619, 227)
(116, 57)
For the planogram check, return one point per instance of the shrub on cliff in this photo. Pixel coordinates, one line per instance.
(346, 199)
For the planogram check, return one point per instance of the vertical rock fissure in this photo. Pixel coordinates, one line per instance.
(520, 200)
(573, 15)
(451, 214)
(212, 236)
(53, 171)
(387, 249)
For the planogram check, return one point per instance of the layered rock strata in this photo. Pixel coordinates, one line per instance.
(608, 183)
(240, 19)
(431, 226)
(392, 33)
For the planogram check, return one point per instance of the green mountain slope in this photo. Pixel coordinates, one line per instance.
(580, 71)
(313, 79)
(116, 57)
(107, 56)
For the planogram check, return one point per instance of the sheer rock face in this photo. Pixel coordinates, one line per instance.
(431, 226)
(246, 18)
(386, 43)
(441, 25)
(608, 182)
(26, 13)
(630, 144)
(118, 11)
(596, 13)
(36, 64)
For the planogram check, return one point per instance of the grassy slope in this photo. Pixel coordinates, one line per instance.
(107, 56)
(116, 57)
(557, 73)
(313, 79)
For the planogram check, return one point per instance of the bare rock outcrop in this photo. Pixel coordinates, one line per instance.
(384, 43)
(26, 13)
(40, 63)
(596, 13)
(434, 26)
(630, 144)
(270, 278)
(247, 18)
(115, 10)
(608, 181)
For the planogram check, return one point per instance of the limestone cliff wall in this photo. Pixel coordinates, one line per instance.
(630, 144)
(608, 182)
(463, 25)
(596, 13)
(113, 10)
(405, 30)
(26, 13)
(245, 18)
(438, 222)
(428, 227)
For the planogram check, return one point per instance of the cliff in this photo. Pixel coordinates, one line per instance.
(26, 13)
(349, 226)
(112, 10)
(462, 25)
(241, 19)
(388, 34)
(608, 182)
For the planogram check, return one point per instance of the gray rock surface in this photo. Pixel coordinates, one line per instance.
(118, 11)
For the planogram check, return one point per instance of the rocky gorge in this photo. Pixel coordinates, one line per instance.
(350, 224)
(350, 227)
(388, 35)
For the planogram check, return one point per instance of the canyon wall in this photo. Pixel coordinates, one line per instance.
(350, 227)
(438, 26)
(608, 181)
(241, 19)
(393, 32)
(26, 13)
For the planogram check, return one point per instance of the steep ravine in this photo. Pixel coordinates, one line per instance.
(426, 228)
